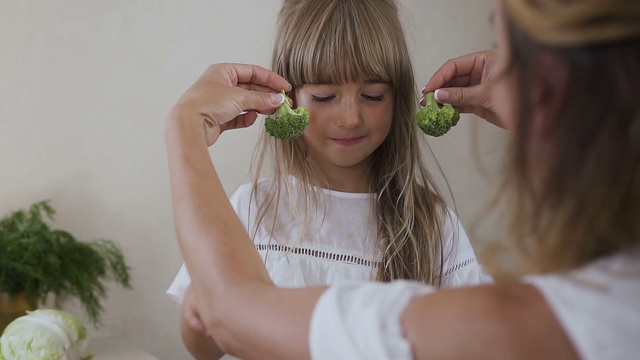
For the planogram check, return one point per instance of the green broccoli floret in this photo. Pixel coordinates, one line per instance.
(436, 120)
(288, 123)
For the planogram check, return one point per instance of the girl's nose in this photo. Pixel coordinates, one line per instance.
(349, 116)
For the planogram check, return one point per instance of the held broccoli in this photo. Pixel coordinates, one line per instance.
(436, 120)
(288, 123)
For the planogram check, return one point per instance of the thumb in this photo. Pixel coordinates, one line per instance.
(462, 96)
(261, 102)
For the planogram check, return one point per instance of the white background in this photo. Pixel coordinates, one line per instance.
(84, 90)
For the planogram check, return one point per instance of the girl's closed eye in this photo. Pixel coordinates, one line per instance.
(322, 99)
(373, 98)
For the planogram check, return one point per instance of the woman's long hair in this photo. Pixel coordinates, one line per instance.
(581, 198)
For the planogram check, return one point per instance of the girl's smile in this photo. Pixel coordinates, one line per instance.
(351, 141)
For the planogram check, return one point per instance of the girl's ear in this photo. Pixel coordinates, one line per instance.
(548, 95)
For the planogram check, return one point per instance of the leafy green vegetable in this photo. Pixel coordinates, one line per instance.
(436, 120)
(40, 261)
(288, 123)
(44, 334)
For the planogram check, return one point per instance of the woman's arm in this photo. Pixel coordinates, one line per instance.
(485, 322)
(251, 318)
(236, 299)
(231, 286)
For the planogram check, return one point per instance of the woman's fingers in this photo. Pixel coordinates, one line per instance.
(241, 121)
(465, 83)
(254, 74)
(255, 87)
(258, 101)
(466, 70)
(228, 96)
(462, 96)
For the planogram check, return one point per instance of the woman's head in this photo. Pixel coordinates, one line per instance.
(575, 69)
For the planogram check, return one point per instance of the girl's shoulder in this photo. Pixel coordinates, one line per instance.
(246, 189)
(253, 193)
(242, 196)
(449, 221)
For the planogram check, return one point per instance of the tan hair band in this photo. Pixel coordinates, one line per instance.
(576, 22)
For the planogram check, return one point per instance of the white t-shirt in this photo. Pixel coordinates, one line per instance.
(361, 321)
(598, 307)
(340, 245)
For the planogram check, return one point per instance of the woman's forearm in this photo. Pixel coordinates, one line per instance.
(234, 296)
(231, 285)
(202, 212)
(215, 245)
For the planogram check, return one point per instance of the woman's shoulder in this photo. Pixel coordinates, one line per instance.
(618, 274)
(599, 298)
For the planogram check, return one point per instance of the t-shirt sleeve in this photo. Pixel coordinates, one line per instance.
(461, 267)
(597, 305)
(362, 320)
(179, 285)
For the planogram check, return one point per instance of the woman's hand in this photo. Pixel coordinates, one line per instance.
(191, 315)
(464, 82)
(229, 96)
(195, 335)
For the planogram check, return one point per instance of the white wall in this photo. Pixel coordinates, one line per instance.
(84, 89)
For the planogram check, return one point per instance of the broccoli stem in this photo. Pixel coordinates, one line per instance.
(432, 102)
(285, 108)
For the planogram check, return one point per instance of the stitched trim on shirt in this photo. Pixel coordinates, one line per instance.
(459, 266)
(351, 259)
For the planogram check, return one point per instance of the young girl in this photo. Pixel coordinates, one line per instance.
(351, 199)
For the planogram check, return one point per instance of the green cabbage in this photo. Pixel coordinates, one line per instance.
(44, 334)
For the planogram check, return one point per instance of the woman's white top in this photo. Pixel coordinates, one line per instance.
(340, 244)
(598, 307)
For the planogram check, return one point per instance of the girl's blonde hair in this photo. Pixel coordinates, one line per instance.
(341, 41)
(587, 204)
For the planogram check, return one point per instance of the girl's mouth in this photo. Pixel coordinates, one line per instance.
(348, 141)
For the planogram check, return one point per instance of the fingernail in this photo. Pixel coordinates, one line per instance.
(442, 95)
(421, 99)
(422, 91)
(278, 99)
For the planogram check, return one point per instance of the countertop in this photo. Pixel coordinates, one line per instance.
(117, 349)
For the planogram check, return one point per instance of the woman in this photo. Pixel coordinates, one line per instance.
(565, 82)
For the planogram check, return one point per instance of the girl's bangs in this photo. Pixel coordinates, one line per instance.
(345, 64)
(351, 45)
